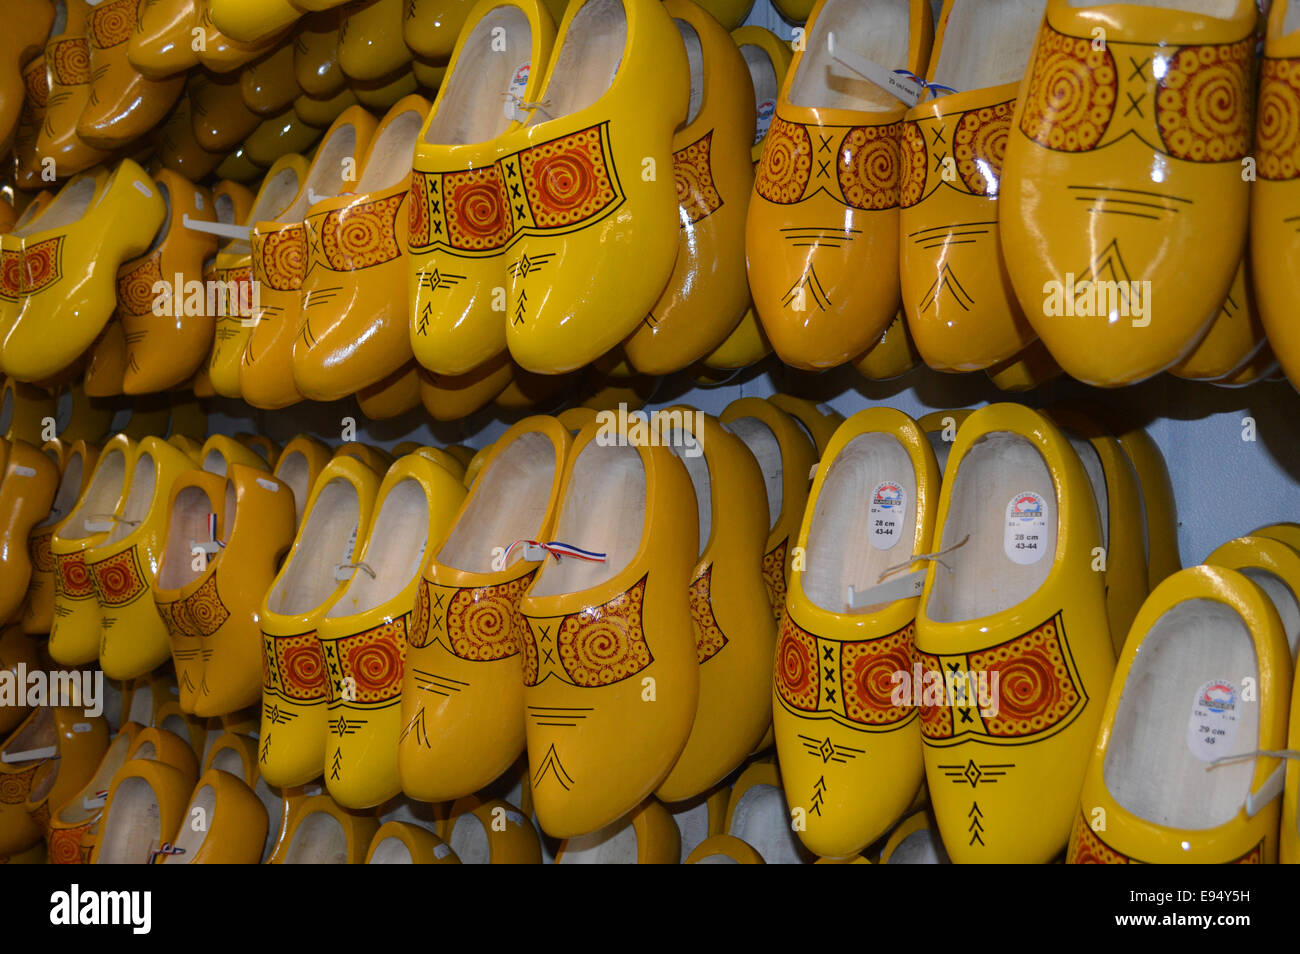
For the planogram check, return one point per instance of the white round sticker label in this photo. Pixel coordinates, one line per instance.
(888, 501)
(1212, 726)
(1026, 533)
(515, 93)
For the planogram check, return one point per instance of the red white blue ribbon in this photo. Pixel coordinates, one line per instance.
(558, 550)
(167, 849)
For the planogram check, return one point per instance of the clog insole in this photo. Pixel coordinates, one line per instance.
(614, 844)
(388, 160)
(695, 68)
(983, 579)
(763, 75)
(294, 470)
(762, 820)
(187, 525)
(692, 820)
(139, 499)
(874, 29)
(391, 851)
(1151, 769)
(65, 498)
(326, 539)
(1284, 601)
(603, 510)
(469, 840)
(1291, 21)
(987, 43)
(394, 550)
(523, 472)
(698, 469)
(101, 498)
(325, 177)
(134, 828)
(191, 837)
(319, 839)
(141, 711)
(69, 206)
(1091, 461)
(765, 447)
(588, 59)
(846, 546)
(277, 192)
(75, 812)
(471, 105)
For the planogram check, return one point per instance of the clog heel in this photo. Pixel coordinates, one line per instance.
(294, 691)
(1178, 707)
(848, 741)
(463, 691)
(607, 627)
(224, 824)
(1011, 668)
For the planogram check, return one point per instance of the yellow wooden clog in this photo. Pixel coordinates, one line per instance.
(941, 428)
(1236, 335)
(1273, 566)
(71, 823)
(79, 741)
(401, 843)
(648, 836)
(143, 814)
(892, 355)
(370, 39)
(820, 421)
(298, 466)
(224, 824)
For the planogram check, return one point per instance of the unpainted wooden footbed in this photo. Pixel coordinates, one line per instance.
(65, 498)
(1149, 768)
(589, 56)
(1284, 601)
(325, 174)
(469, 840)
(762, 821)
(308, 578)
(391, 851)
(190, 839)
(762, 443)
(76, 812)
(603, 510)
(983, 579)
(695, 68)
(394, 550)
(39, 733)
(141, 705)
(72, 202)
(471, 106)
(139, 498)
(1092, 466)
(874, 29)
(318, 840)
(840, 552)
(388, 161)
(614, 844)
(269, 204)
(508, 502)
(294, 469)
(133, 829)
(988, 43)
(1291, 20)
(215, 463)
(761, 72)
(697, 467)
(187, 524)
(100, 499)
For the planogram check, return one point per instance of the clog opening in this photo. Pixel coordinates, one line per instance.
(101, 498)
(589, 56)
(277, 192)
(223, 207)
(1092, 466)
(76, 811)
(1183, 705)
(987, 43)
(163, 229)
(469, 840)
(604, 510)
(139, 498)
(765, 447)
(60, 18)
(874, 29)
(1002, 494)
(295, 470)
(38, 732)
(472, 105)
(228, 759)
(133, 829)
(762, 820)
(197, 822)
(766, 86)
(864, 522)
(697, 467)
(65, 498)
(319, 839)
(187, 527)
(695, 68)
(393, 552)
(325, 177)
(66, 208)
(1284, 601)
(328, 537)
(391, 851)
(524, 473)
(177, 726)
(614, 844)
(389, 159)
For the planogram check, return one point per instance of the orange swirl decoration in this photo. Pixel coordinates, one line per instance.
(786, 165)
(112, 23)
(72, 579)
(1035, 686)
(362, 235)
(42, 265)
(980, 146)
(282, 256)
(65, 846)
(916, 165)
(297, 664)
(869, 167)
(709, 638)
(1203, 106)
(605, 644)
(1278, 130)
(206, 609)
(36, 80)
(478, 219)
(1087, 849)
(936, 721)
(797, 676)
(135, 287)
(118, 579)
(38, 551)
(697, 194)
(774, 578)
(1071, 96)
(11, 274)
(528, 646)
(417, 213)
(16, 786)
(867, 669)
(70, 61)
(483, 623)
(375, 660)
(568, 180)
(419, 636)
